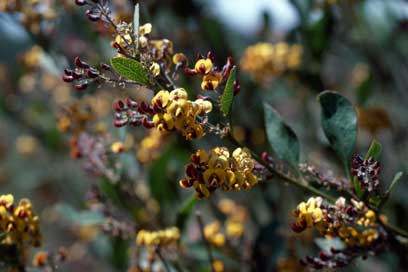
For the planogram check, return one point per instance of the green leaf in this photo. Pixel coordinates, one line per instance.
(79, 217)
(228, 95)
(281, 137)
(136, 25)
(374, 150)
(130, 69)
(164, 174)
(339, 122)
(185, 211)
(394, 182)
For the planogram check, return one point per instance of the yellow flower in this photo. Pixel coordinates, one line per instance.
(210, 81)
(175, 112)
(368, 219)
(216, 169)
(161, 99)
(203, 66)
(234, 228)
(145, 29)
(265, 60)
(310, 211)
(19, 223)
(117, 147)
(180, 58)
(6, 200)
(218, 266)
(155, 69)
(214, 177)
(213, 235)
(158, 238)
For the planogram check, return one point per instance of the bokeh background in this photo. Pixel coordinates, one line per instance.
(356, 47)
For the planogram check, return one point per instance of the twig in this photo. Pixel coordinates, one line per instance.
(207, 245)
(166, 265)
(284, 176)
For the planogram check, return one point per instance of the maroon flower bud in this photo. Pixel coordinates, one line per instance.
(210, 56)
(266, 157)
(143, 108)
(81, 86)
(76, 75)
(147, 124)
(189, 72)
(80, 64)
(227, 68)
(68, 72)
(92, 73)
(191, 171)
(199, 56)
(334, 251)
(119, 123)
(131, 103)
(105, 66)
(67, 78)
(296, 227)
(324, 256)
(92, 15)
(118, 106)
(80, 2)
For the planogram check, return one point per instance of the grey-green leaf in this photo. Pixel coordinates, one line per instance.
(228, 95)
(281, 137)
(130, 69)
(339, 122)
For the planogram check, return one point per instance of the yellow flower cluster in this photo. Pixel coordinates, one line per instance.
(150, 147)
(213, 234)
(158, 238)
(329, 221)
(33, 14)
(211, 78)
(351, 236)
(236, 216)
(218, 169)
(19, 223)
(264, 60)
(173, 111)
(309, 214)
(150, 49)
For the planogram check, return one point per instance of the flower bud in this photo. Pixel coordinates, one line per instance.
(119, 106)
(67, 78)
(93, 16)
(105, 66)
(92, 73)
(130, 103)
(119, 123)
(80, 64)
(81, 86)
(80, 2)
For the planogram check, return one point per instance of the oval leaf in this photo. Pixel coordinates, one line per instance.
(374, 150)
(339, 122)
(228, 95)
(130, 69)
(281, 137)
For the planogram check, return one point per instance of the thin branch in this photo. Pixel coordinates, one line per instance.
(207, 244)
(165, 264)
